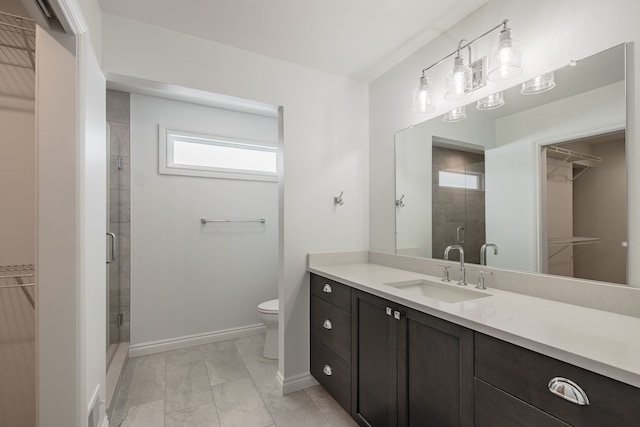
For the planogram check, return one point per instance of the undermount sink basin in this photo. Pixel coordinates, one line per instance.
(437, 290)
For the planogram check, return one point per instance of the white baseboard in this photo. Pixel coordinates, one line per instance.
(192, 340)
(295, 383)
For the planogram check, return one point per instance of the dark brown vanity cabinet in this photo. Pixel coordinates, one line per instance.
(330, 362)
(409, 368)
(512, 387)
(391, 366)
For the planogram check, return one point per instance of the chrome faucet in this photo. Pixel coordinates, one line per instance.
(483, 252)
(463, 277)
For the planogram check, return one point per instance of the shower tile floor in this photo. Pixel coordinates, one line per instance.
(224, 384)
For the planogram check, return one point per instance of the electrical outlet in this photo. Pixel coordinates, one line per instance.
(479, 68)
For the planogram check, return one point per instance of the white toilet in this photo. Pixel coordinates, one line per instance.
(268, 313)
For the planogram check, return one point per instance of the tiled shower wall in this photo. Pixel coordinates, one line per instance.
(454, 207)
(118, 118)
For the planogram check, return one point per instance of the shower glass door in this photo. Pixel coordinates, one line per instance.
(458, 202)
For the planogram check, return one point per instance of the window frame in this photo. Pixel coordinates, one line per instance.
(167, 166)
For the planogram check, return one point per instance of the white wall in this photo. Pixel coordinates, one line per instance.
(552, 34)
(17, 183)
(189, 278)
(413, 181)
(325, 148)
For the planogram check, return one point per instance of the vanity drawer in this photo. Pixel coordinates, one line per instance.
(331, 326)
(526, 374)
(494, 407)
(332, 372)
(331, 291)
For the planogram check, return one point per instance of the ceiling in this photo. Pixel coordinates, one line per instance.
(360, 39)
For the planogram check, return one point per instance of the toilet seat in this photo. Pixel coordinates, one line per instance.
(269, 307)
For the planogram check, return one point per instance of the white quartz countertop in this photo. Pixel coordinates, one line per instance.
(600, 341)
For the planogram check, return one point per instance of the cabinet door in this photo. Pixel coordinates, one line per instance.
(375, 339)
(436, 373)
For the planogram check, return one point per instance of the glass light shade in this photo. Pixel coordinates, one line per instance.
(455, 115)
(490, 102)
(539, 84)
(459, 80)
(422, 98)
(505, 58)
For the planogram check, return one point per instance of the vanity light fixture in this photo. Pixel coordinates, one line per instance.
(505, 57)
(422, 97)
(455, 115)
(467, 77)
(539, 84)
(491, 102)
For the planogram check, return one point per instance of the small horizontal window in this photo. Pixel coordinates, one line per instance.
(185, 153)
(460, 179)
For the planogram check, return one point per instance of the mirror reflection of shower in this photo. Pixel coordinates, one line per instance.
(458, 214)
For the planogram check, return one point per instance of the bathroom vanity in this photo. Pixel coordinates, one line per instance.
(400, 348)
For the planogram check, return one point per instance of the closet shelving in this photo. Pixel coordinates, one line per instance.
(566, 242)
(17, 41)
(566, 157)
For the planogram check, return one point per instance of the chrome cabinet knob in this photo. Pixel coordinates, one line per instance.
(327, 370)
(327, 324)
(327, 288)
(568, 390)
(389, 311)
(396, 315)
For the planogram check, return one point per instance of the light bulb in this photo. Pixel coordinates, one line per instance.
(459, 80)
(504, 58)
(421, 98)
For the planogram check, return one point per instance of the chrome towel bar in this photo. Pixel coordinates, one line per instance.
(205, 220)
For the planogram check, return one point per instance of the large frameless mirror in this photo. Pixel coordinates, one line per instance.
(538, 170)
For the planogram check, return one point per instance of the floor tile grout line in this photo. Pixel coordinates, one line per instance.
(328, 421)
(273, 421)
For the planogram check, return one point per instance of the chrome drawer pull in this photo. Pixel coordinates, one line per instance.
(327, 324)
(568, 390)
(388, 311)
(327, 370)
(327, 288)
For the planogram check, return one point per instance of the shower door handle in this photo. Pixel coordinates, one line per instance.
(460, 235)
(112, 256)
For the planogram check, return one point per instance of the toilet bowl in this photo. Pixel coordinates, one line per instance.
(268, 313)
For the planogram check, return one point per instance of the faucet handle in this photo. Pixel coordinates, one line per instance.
(481, 278)
(445, 272)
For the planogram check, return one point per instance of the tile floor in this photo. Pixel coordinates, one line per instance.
(223, 384)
